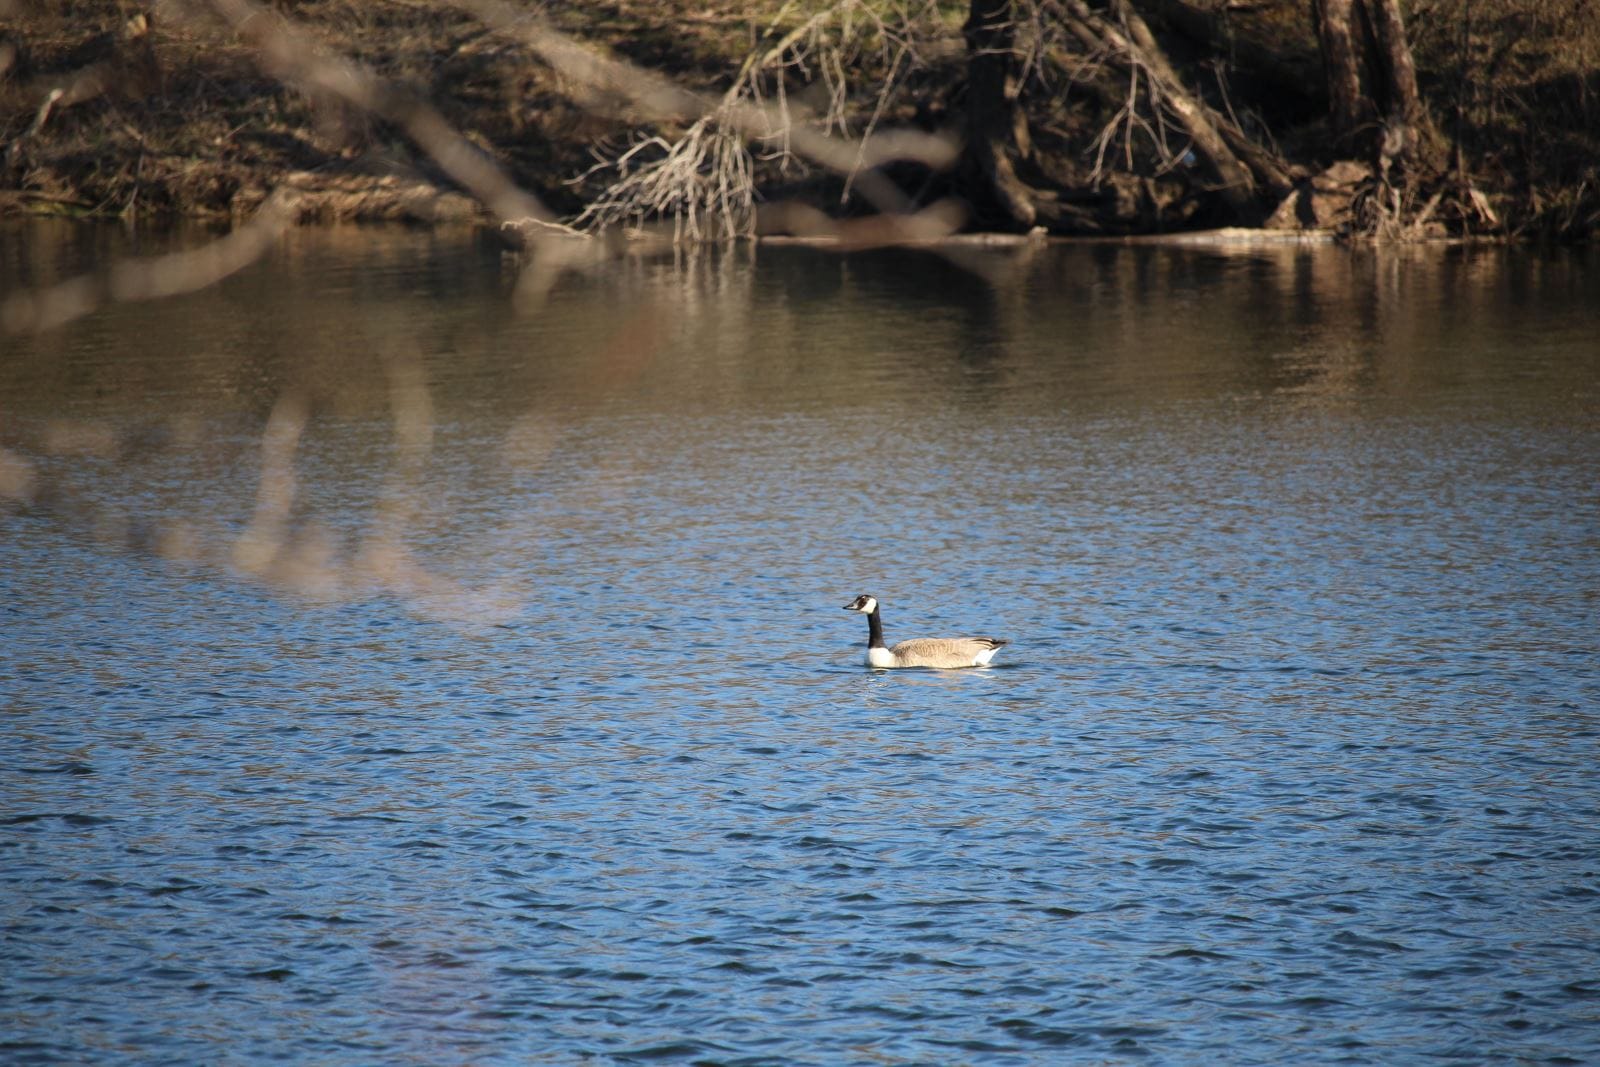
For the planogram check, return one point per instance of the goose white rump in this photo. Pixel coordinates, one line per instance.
(942, 653)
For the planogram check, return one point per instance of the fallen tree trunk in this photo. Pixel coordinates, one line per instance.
(1289, 71)
(1244, 174)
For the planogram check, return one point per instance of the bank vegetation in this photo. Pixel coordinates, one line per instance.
(856, 120)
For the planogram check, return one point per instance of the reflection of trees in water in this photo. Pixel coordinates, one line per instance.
(700, 302)
(308, 438)
(283, 543)
(332, 488)
(128, 489)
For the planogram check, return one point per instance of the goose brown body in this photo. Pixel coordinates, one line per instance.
(940, 653)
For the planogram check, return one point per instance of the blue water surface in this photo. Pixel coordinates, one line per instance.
(542, 738)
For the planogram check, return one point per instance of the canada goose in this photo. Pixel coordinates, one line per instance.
(940, 652)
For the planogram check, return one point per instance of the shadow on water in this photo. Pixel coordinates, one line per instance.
(398, 668)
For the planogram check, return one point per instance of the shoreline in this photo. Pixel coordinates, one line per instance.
(132, 110)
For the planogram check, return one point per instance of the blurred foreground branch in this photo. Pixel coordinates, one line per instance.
(712, 152)
(713, 146)
(293, 57)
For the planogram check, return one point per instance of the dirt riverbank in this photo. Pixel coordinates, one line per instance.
(146, 111)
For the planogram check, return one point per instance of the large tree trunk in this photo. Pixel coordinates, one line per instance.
(997, 129)
(1402, 103)
(1349, 110)
(1379, 114)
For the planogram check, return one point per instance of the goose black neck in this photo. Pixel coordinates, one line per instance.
(874, 630)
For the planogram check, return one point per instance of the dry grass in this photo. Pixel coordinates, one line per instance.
(1516, 83)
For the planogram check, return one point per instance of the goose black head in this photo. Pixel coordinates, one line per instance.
(864, 604)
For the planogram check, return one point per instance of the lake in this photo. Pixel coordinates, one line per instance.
(414, 658)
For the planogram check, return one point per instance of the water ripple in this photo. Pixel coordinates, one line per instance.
(1290, 759)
